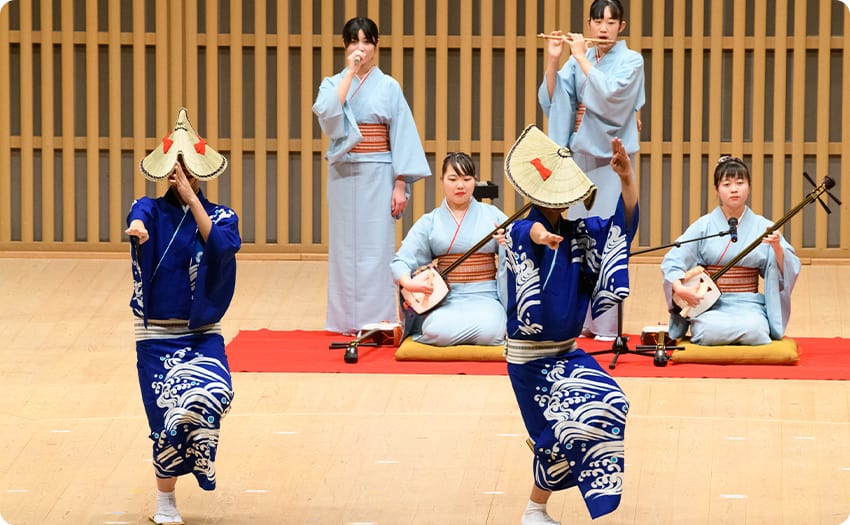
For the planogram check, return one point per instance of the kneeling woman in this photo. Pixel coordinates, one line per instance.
(742, 315)
(472, 312)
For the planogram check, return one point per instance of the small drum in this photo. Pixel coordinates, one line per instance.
(381, 334)
(656, 336)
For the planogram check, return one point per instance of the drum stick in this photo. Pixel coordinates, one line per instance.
(567, 40)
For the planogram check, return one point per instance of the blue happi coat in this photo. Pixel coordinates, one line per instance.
(183, 285)
(573, 410)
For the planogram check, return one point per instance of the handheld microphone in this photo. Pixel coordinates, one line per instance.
(357, 61)
(733, 229)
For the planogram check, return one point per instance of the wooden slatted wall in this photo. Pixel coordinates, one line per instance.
(94, 85)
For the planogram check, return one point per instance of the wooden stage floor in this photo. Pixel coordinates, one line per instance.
(357, 449)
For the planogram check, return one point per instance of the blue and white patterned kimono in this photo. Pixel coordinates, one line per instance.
(612, 93)
(360, 185)
(472, 312)
(740, 317)
(574, 412)
(182, 288)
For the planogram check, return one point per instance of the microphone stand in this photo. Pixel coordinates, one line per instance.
(658, 351)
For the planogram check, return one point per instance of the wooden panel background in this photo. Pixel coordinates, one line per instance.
(94, 84)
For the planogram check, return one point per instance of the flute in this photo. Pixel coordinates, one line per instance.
(567, 40)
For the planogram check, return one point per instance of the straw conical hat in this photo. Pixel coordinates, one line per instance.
(546, 173)
(199, 158)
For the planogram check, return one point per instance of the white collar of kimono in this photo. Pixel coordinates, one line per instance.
(457, 222)
(362, 81)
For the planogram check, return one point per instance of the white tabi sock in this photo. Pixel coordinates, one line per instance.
(166, 508)
(535, 506)
(535, 514)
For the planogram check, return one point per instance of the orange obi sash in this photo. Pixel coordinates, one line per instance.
(478, 267)
(376, 139)
(736, 279)
(579, 116)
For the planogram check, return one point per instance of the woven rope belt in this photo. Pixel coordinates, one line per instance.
(579, 116)
(736, 279)
(519, 351)
(478, 267)
(376, 139)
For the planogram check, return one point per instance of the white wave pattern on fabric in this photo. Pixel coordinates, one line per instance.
(194, 264)
(527, 285)
(137, 303)
(614, 260)
(196, 397)
(583, 246)
(585, 411)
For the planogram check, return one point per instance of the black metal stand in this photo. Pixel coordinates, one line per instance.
(388, 334)
(659, 350)
(485, 190)
(620, 346)
(351, 347)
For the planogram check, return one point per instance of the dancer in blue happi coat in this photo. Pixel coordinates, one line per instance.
(184, 273)
(574, 412)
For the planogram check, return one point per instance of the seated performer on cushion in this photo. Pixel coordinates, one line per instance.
(742, 315)
(472, 312)
(574, 412)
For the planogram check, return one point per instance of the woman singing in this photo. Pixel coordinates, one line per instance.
(373, 156)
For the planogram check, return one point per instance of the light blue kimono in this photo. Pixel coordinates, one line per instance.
(612, 93)
(359, 189)
(472, 313)
(736, 318)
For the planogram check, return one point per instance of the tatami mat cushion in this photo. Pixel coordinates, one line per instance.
(782, 352)
(410, 350)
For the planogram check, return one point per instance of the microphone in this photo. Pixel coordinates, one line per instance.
(733, 229)
(357, 61)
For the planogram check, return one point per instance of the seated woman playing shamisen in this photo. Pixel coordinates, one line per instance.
(472, 313)
(742, 315)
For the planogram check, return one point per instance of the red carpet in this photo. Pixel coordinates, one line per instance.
(307, 351)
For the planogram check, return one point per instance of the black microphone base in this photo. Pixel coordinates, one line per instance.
(620, 346)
